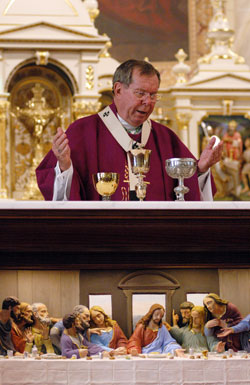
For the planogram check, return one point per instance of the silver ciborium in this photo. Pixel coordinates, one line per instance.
(140, 163)
(181, 168)
(106, 184)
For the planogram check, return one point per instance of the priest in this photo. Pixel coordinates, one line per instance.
(102, 142)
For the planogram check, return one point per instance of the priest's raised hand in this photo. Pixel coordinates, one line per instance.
(61, 149)
(210, 155)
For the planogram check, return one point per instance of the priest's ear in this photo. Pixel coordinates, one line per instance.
(117, 88)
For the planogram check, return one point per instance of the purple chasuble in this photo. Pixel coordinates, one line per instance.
(94, 149)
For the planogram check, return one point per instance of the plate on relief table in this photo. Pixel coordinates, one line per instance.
(156, 355)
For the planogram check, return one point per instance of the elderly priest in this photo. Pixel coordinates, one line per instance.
(101, 143)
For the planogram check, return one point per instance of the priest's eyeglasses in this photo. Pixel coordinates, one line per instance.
(140, 94)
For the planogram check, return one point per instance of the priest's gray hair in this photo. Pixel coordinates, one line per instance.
(123, 73)
(79, 309)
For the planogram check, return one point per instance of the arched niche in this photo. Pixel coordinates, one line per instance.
(57, 93)
(148, 282)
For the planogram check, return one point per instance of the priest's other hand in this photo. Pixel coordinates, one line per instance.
(210, 155)
(61, 149)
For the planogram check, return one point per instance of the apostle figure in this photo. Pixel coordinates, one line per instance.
(21, 333)
(151, 335)
(10, 309)
(185, 314)
(232, 141)
(40, 328)
(74, 343)
(232, 157)
(192, 335)
(83, 314)
(245, 172)
(102, 142)
(222, 314)
(243, 329)
(106, 332)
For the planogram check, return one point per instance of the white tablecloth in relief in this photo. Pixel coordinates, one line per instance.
(125, 372)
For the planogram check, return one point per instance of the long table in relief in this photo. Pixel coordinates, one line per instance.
(79, 235)
(137, 371)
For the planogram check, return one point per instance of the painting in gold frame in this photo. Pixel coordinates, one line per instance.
(232, 173)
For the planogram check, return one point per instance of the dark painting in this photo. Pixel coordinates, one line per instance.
(144, 28)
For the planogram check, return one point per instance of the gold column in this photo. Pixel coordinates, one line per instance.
(4, 106)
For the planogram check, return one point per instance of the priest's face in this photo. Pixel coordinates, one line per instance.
(136, 102)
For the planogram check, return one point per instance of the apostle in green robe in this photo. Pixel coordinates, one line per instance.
(192, 336)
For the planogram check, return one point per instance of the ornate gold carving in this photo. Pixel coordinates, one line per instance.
(35, 116)
(23, 148)
(21, 139)
(125, 190)
(81, 109)
(42, 58)
(227, 107)
(92, 7)
(89, 77)
(104, 52)
(4, 106)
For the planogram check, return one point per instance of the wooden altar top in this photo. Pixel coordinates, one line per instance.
(105, 235)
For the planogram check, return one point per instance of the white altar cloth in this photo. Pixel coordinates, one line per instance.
(133, 205)
(137, 371)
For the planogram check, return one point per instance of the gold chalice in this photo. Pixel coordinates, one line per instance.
(140, 164)
(106, 184)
